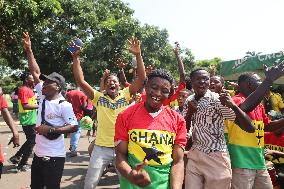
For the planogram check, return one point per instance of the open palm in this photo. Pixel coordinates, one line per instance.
(26, 41)
(134, 46)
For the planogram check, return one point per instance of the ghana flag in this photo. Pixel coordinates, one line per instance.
(150, 138)
(247, 149)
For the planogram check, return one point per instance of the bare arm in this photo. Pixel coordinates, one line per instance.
(79, 76)
(102, 80)
(177, 169)
(137, 177)
(242, 119)
(255, 98)
(29, 106)
(180, 65)
(44, 129)
(121, 65)
(274, 125)
(10, 122)
(32, 64)
(141, 74)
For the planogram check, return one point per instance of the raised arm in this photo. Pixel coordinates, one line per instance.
(271, 74)
(141, 74)
(102, 80)
(180, 63)
(79, 76)
(122, 77)
(32, 64)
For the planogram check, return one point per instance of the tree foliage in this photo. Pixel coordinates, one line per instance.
(103, 25)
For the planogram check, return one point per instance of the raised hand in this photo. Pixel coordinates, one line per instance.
(106, 73)
(27, 44)
(149, 69)
(120, 63)
(274, 72)
(177, 48)
(77, 50)
(134, 46)
(212, 67)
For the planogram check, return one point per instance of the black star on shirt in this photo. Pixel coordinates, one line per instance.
(152, 154)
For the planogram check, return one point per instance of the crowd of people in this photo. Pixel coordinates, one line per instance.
(158, 133)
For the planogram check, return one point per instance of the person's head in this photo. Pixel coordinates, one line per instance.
(16, 90)
(200, 81)
(248, 82)
(183, 94)
(158, 87)
(1, 91)
(27, 79)
(216, 84)
(53, 84)
(111, 85)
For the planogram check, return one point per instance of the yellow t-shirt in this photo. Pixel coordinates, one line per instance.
(107, 111)
(276, 102)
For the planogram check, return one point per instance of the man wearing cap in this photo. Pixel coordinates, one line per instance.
(55, 118)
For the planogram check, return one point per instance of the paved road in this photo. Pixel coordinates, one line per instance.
(74, 170)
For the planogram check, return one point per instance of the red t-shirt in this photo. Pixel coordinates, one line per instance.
(25, 94)
(273, 142)
(143, 132)
(3, 103)
(257, 114)
(77, 99)
(172, 98)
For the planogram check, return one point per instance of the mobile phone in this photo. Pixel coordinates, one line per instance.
(77, 42)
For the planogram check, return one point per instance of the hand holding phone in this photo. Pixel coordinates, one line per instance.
(75, 45)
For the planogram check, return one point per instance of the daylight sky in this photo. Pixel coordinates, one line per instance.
(217, 28)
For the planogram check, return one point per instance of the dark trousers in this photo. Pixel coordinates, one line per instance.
(46, 171)
(280, 174)
(27, 148)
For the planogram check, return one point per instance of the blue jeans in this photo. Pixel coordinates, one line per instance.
(74, 139)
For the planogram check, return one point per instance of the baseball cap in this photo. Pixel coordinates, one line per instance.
(59, 79)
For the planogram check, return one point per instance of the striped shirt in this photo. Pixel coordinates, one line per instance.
(207, 123)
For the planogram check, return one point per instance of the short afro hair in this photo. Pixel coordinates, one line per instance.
(162, 74)
(195, 71)
(245, 77)
(24, 76)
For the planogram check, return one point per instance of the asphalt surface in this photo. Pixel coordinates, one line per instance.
(74, 171)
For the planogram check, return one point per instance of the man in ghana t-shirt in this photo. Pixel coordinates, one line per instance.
(247, 149)
(27, 116)
(108, 105)
(150, 132)
(208, 164)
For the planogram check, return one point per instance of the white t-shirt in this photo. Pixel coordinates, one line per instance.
(57, 114)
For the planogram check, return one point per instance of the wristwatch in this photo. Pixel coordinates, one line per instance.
(51, 130)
